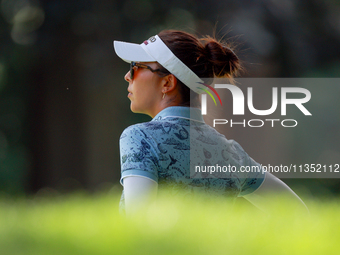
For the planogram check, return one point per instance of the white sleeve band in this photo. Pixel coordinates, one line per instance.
(138, 192)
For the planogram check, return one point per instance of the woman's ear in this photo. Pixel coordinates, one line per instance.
(170, 83)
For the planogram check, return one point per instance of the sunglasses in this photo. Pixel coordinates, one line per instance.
(138, 65)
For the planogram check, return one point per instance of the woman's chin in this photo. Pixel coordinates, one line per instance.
(134, 109)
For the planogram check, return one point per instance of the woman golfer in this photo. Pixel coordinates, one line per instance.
(165, 80)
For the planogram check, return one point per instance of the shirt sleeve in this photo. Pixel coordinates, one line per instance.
(254, 179)
(252, 175)
(138, 156)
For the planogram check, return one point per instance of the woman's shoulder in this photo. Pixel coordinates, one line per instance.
(143, 129)
(134, 129)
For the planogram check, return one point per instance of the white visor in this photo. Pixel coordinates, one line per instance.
(155, 50)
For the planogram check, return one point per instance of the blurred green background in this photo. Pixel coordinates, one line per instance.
(63, 101)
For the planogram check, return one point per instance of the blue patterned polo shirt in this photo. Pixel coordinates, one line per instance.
(176, 148)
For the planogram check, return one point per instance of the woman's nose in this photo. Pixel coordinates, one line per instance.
(127, 77)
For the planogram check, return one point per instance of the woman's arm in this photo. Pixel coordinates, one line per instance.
(138, 193)
(269, 189)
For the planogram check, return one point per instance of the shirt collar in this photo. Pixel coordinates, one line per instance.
(183, 112)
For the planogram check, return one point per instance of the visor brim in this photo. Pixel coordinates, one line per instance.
(131, 52)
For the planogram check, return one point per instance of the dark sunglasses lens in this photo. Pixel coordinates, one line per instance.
(132, 70)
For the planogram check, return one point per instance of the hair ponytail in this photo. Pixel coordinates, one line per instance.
(206, 57)
(221, 58)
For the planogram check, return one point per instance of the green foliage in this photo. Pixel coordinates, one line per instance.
(81, 224)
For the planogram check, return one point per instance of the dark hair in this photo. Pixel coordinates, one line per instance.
(206, 57)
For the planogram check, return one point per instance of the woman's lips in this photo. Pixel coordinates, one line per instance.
(130, 93)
